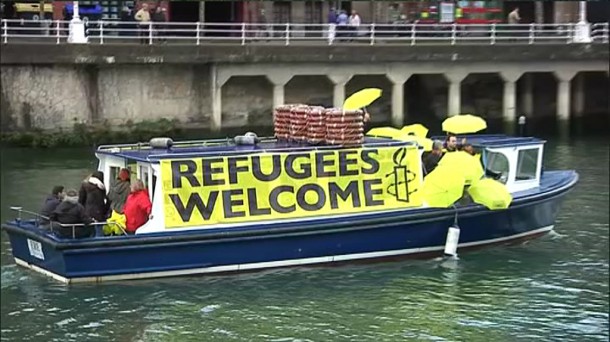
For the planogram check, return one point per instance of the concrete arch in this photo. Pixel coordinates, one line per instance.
(247, 100)
(314, 90)
(381, 109)
(482, 95)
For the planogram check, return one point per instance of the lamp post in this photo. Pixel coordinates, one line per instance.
(582, 29)
(77, 27)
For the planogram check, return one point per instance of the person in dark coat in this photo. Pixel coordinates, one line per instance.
(68, 212)
(160, 20)
(92, 196)
(119, 192)
(431, 159)
(52, 201)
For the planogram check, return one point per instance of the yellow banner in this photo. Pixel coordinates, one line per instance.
(270, 186)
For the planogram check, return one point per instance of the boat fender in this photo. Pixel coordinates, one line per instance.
(246, 139)
(161, 142)
(453, 236)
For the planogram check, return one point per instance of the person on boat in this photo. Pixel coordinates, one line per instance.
(468, 148)
(119, 192)
(431, 159)
(71, 212)
(137, 208)
(451, 144)
(52, 201)
(92, 196)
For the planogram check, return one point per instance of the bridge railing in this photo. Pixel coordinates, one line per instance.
(110, 32)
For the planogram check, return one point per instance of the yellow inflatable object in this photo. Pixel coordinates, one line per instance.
(120, 220)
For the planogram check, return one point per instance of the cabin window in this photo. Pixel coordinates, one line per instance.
(132, 167)
(144, 175)
(114, 174)
(153, 185)
(527, 164)
(497, 166)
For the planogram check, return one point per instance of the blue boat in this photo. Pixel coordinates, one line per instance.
(224, 207)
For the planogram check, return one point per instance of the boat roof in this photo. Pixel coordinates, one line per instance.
(495, 140)
(222, 147)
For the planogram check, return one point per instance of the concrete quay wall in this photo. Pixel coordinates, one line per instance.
(55, 86)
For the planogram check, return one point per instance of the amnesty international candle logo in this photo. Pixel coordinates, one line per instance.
(269, 186)
(402, 176)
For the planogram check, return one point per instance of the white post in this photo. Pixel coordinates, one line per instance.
(582, 32)
(77, 28)
(199, 31)
(5, 27)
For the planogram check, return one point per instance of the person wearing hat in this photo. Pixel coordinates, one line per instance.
(431, 159)
(52, 201)
(70, 212)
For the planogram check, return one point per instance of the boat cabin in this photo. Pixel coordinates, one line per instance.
(514, 161)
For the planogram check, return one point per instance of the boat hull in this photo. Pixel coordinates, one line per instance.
(414, 233)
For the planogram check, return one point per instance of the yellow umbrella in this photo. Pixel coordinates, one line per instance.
(490, 193)
(469, 166)
(464, 123)
(362, 98)
(421, 141)
(389, 132)
(417, 130)
(442, 187)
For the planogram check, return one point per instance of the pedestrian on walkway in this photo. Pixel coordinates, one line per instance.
(332, 25)
(143, 18)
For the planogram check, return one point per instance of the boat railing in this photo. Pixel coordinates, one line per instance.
(39, 218)
(228, 141)
(185, 143)
(288, 148)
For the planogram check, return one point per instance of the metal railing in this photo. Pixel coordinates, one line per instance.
(110, 32)
(40, 221)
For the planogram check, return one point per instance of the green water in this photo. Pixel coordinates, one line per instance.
(553, 288)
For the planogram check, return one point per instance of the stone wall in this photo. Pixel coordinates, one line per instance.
(52, 97)
(44, 96)
(153, 92)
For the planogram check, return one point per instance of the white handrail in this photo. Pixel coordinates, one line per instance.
(197, 33)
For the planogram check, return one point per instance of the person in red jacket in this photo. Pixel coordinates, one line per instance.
(137, 207)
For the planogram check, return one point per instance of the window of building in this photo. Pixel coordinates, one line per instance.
(527, 164)
(282, 12)
(313, 12)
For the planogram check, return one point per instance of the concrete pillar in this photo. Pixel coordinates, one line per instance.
(201, 11)
(564, 77)
(539, 9)
(579, 95)
(527, 94)
(454, 106)
(398, 110)
(509, 101)
(339, 82)
(279, 80)
(216, 83)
